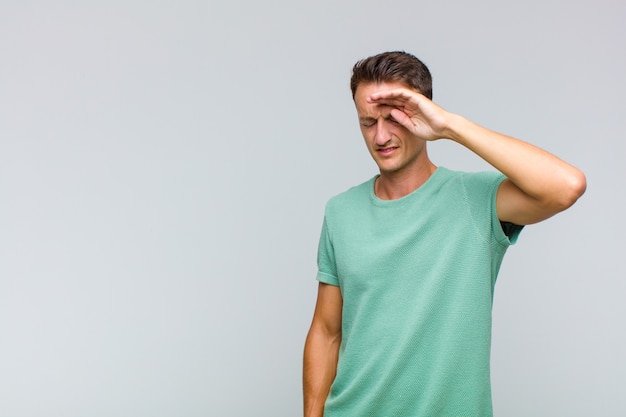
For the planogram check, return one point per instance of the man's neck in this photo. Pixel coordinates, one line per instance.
(392, 186)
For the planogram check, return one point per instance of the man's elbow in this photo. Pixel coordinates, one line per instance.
(573, 188)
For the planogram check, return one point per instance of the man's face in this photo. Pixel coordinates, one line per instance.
(392, 146)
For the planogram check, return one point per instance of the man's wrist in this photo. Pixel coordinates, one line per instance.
(457, 128)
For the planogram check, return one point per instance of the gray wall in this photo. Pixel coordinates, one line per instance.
(164, 168)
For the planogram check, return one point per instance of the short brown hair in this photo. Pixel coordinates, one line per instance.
(396, 66)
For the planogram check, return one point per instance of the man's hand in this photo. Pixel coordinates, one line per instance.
(415, 112)
(539, 184)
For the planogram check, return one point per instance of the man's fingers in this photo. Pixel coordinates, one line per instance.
(401, 99)
(402, 118)
(392, 96)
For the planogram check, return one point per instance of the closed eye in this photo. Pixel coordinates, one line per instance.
(367, 122)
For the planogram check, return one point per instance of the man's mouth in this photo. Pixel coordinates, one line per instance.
(386, 151)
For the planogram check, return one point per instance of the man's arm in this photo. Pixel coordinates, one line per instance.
(321, 349)
(538, 184)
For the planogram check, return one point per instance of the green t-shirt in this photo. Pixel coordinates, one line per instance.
(417, 276)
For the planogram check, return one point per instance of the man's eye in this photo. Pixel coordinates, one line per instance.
(368, 123)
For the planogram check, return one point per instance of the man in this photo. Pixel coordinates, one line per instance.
(408, 260)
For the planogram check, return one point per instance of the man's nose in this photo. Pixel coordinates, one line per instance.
(383, 135)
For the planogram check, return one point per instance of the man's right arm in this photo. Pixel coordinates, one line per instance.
(321, 349)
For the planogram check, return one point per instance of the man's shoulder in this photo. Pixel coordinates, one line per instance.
(480, 179)
(469, 179)
(470, 174)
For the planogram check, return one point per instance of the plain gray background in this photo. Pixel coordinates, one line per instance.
(164, 167)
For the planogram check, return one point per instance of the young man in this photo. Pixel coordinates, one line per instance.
(408, 260)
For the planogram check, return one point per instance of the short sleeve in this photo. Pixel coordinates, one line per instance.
(326, 266)
(481, 190)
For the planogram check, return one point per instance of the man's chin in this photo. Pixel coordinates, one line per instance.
(387, 169)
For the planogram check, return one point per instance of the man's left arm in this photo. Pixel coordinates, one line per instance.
(538, 184)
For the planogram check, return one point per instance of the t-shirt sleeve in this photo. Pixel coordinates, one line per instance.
(326, 266)
(506, 233)
(482, 189)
